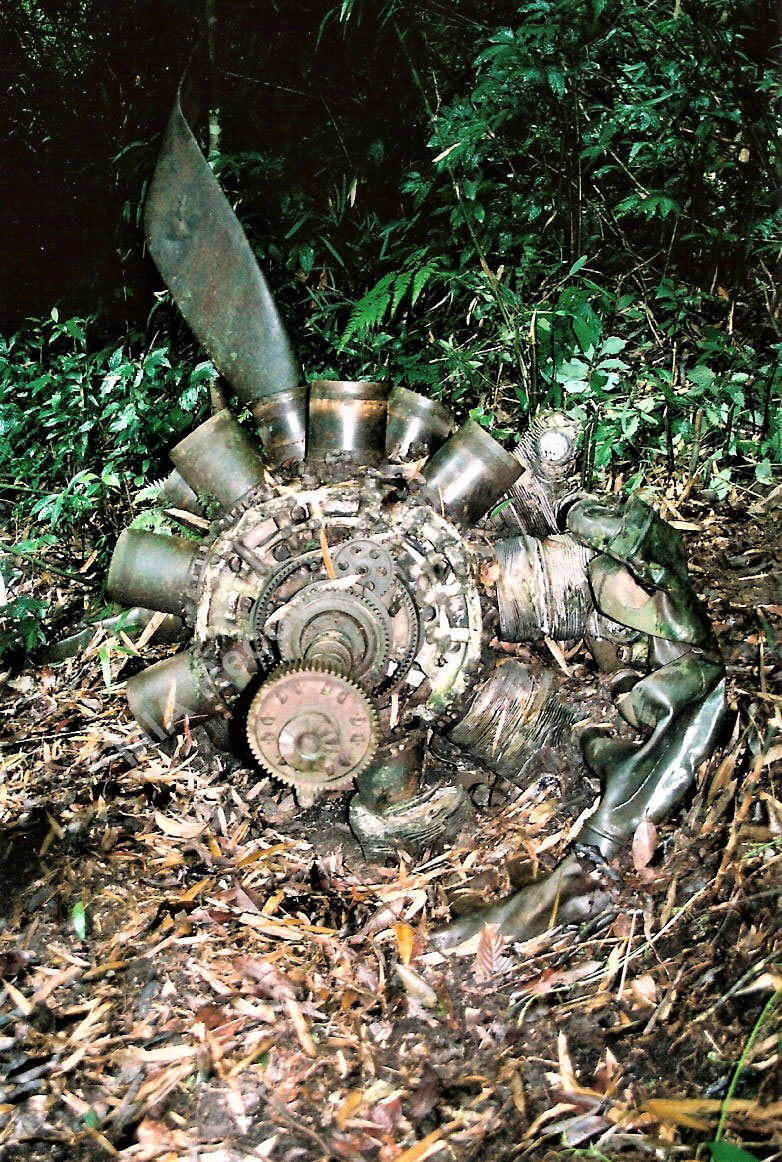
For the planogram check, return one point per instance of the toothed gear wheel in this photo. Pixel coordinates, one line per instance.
(312, 728)
(353, 622)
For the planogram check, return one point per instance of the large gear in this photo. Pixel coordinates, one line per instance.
(370, 561)
(312, 728)
(324, 622)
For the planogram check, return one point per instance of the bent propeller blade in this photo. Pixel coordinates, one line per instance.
(205, 259)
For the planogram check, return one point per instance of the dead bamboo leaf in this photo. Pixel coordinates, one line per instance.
(421, 1149)
(300, 1025)
(405, 940)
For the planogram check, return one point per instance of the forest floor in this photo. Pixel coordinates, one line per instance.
(193, 970)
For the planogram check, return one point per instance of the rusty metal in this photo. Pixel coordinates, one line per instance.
(129, 621)
(164, 695)
(219, 460)
(417, 426)
(546, 451)
(175, 492)
(469, 474)
(347, 417)
(312, 728)
(281, 423)
(348, 631)
(512, 716)
(543, 589)
(151, 570)
(207, 263)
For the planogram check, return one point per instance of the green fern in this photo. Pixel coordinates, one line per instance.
(383, 299)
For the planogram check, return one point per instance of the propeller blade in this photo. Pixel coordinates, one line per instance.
(202, 252)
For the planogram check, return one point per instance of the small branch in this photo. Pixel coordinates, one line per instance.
(45, 567)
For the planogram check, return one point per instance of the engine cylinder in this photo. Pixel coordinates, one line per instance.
(151, 570)
(164, 695)
(543, 589)
(469, 474)
(348, 417)
(415, 421)
(281, 421)
(219, 459)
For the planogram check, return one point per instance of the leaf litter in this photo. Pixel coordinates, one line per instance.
(193, 969)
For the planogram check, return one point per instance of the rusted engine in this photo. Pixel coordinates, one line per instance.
(362, 560)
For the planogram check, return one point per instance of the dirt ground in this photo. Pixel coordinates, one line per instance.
(194, 970)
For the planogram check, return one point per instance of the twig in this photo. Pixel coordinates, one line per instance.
(44, 566)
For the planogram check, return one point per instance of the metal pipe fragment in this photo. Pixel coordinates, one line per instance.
(347, 417)
(130, 621)
(219, 459)
(167, 693)
(151, 570)
(543, 589)
(414, 422)
(469, 474)
(281, 422)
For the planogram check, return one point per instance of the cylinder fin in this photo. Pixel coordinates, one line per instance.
(543, 589)
(513, 715)
(416, 425)
(219, 459)
(151, 570)
(164, 695)
(203, 254)
(469, 474)
(349, 418)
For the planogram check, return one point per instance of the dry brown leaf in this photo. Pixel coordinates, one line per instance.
(489, 959)
(405, 940)
(300, 1025)
(421, 1149)
(179, 828)
(644, 843)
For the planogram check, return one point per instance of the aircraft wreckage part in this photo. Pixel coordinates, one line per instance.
(130, 622)
(432, 815)
(546, 451)
(543, 589)
(469, 474)
(281, 423)
(349, 418)
(151, 570)
(219, 459)
(572, 893)
(654, 593)
(164, 695)
(513, 715)
(175, 492)
(206, 261)
(415, 424)
(685, 703)
(312, 728)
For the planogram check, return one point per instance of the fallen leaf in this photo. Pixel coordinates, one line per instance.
(644, 843)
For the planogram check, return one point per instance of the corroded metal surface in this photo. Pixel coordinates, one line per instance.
(219, 460)
(207, 263)
(151, 570)
(415, 424)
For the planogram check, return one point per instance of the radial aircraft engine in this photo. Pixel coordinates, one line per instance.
(364, 559)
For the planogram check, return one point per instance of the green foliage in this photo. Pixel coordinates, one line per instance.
(81, 428)
(21, 626)
(727, 1152)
